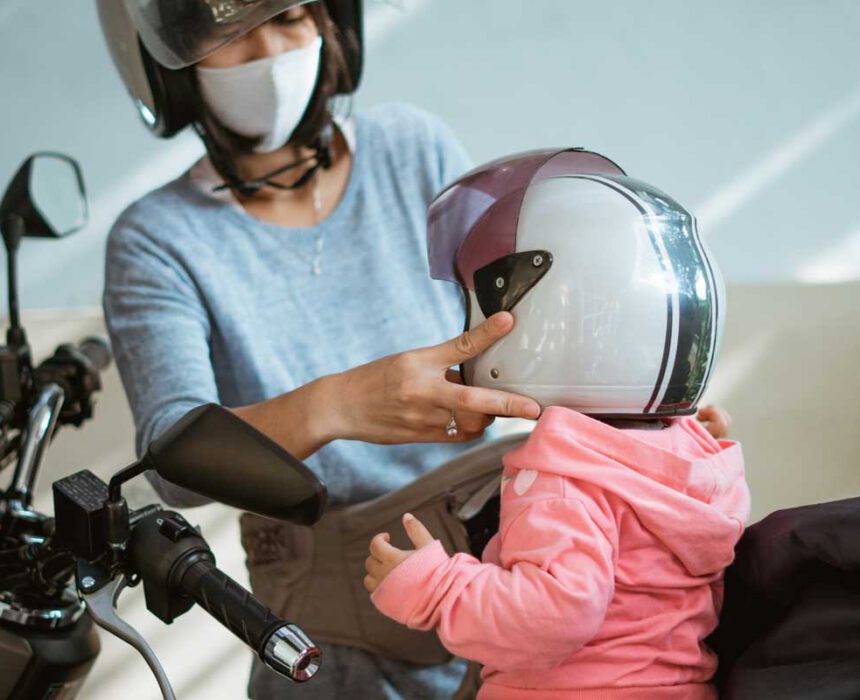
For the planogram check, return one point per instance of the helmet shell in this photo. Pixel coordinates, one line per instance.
(618, 303)
(155, 43)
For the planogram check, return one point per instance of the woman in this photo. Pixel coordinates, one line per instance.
(285, 274)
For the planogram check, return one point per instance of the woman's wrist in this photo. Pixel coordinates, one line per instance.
(321, 409)
(301, 421)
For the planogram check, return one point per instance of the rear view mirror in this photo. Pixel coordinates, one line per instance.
(48, 195)
(217, 454)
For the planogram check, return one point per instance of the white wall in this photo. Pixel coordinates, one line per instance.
(748, 113)
(790, 375)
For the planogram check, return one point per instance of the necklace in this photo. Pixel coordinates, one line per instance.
(316, 264)
(315, 260)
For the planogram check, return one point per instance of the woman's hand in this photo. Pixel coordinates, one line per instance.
(409, 397)
(717, 421)
(384, 556)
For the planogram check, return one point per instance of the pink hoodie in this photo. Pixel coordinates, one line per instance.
(606, 574)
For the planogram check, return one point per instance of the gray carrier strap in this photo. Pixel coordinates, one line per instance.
(314, 576)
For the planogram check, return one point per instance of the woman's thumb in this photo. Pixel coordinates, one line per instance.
(415, 530)
(473, 342)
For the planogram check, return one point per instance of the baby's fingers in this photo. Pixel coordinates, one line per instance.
(370, 583)
(415, 530)
(717, 420)
(381, 548)
(374, 567)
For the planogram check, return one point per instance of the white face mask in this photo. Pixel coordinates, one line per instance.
(265, 98)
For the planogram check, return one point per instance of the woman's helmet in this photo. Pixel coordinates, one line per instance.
(154, 43)
(619, 306)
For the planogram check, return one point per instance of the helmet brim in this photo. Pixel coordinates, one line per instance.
(180, 34)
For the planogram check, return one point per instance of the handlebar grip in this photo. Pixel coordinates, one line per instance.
(97, 351)
(283, 647)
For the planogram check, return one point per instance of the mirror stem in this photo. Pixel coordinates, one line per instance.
(13, 232)
(118, 529)
(118, 479)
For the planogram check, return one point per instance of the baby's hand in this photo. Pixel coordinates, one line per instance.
(717, 421)
(384, 556)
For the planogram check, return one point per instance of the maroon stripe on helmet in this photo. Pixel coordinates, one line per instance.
(475, 220)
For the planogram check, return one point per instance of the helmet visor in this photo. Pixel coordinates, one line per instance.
(474, 221)
(179, 33)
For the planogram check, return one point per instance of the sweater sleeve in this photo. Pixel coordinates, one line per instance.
(159, 332)
(548, 601)
(453, 159)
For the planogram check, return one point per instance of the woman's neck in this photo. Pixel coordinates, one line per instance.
(296, 208)
(252, 166)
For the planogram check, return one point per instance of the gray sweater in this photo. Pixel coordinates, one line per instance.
(206, 303)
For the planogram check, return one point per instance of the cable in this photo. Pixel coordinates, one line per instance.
(321, 158)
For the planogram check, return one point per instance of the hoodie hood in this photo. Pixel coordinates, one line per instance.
(685, 487)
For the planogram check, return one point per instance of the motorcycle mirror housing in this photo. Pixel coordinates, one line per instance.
(213, 452)
(48, 195)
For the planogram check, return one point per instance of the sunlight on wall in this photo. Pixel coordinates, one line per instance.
(836, 263)
(766, 170)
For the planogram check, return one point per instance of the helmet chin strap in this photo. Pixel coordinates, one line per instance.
(654, 423)
(321, 158)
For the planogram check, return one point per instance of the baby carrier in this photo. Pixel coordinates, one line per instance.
(313, 576)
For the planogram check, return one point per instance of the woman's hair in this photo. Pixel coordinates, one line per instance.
(334, 74)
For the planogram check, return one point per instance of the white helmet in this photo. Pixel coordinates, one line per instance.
(619, 306)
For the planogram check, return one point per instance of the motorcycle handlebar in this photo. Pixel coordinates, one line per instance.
(178, 567)
(282, 646)
(97, 351)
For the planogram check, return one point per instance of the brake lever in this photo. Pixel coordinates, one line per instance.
(101, 605)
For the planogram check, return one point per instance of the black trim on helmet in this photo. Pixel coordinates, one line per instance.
(716, 297)
(501, 284)
(347, 17)
(175, 96)
(698, 324)
(696, 329)
(667, 345)
(468, 303)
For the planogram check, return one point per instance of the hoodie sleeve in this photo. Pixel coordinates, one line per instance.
(546, 603)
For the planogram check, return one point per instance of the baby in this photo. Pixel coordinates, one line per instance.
(620, 511)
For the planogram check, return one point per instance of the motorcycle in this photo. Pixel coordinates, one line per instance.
(61, 575)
